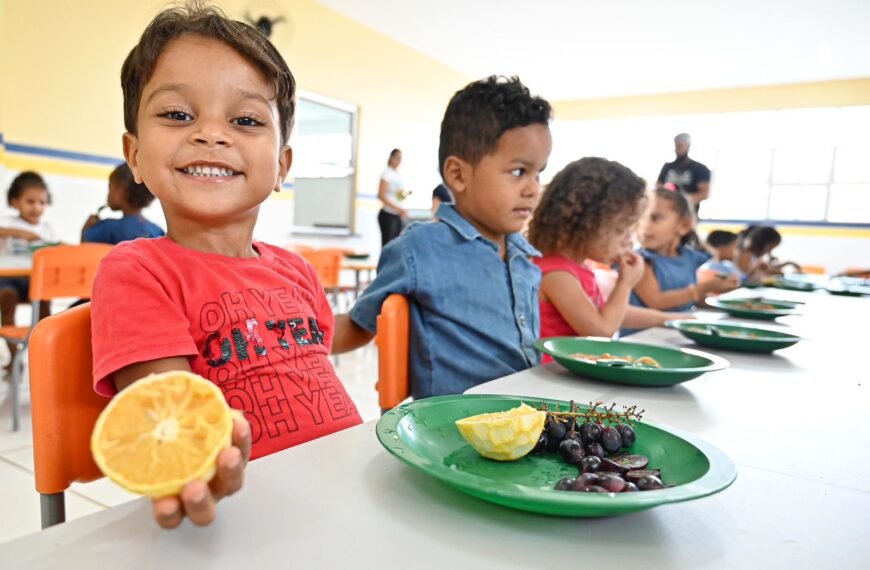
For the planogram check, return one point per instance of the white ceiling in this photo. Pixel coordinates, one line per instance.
(564, 49)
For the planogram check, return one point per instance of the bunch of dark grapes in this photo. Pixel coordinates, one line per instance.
(594, 440)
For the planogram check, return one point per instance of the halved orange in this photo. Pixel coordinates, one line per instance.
(162, 432)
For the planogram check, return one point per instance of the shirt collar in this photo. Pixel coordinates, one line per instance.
(451, 216)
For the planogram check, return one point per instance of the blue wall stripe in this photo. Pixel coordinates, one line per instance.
(62, 154)
(817, 224)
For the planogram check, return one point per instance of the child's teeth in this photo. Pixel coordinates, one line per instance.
(209, 171)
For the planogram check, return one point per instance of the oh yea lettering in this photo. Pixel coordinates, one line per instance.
(282, 323)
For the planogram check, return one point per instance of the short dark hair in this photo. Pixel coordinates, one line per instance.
(479, 114)
(757, 238)
(584, 197)
(719, 238)
(684, 209)
(25, 180)
(138, 195)
(196, 17)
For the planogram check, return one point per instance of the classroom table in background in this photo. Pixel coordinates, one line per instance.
(358, 267)
(15, 266)
(795, 423)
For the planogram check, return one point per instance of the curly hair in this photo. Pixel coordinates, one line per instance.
(137, 194)
(25, 180)
(196, 17)
(583, 198)
(479, 114)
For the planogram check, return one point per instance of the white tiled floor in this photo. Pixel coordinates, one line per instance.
(19, 501)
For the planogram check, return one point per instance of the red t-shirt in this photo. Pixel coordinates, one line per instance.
(260, 328)
(552, 321)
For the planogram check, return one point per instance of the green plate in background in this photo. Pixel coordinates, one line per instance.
(423, 435)
(737, 308)
(792, 284)
(734, 337)
(677, 365)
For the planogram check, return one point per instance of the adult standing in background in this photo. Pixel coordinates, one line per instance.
(688, 176)
(391, 192)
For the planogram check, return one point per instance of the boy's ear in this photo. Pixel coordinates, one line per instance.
(285, 160)
(131, 154)
(456, 173)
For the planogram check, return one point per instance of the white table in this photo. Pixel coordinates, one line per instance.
(343, 502)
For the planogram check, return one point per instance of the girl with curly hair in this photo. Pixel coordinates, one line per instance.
(588, 213)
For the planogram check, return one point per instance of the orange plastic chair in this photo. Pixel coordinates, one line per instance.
(65, 407)
(60, 271)
(394, 328)
(299, 248)
(327, 263)
(813, 269)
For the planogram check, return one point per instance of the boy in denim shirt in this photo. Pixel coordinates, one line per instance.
(472, 289)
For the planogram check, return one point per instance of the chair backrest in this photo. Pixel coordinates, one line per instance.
(393, 334)
(327, 263)
(299, 248)
(814, 269)
(66, 270)
(64, 404)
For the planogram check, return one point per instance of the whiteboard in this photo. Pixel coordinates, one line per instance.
(323, 202)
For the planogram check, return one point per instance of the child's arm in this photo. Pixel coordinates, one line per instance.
(651, 294)
(92, 220)
(197, 499)
(21, 234)
(644, 317)
(356, 328)
(349, 335)
(566, 293)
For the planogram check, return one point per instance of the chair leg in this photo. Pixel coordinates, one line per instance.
(52, 509)
(15, 386)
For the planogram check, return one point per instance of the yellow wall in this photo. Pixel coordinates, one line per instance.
(61, 63)
(761, 98)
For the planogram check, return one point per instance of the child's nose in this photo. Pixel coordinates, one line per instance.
(212, 133)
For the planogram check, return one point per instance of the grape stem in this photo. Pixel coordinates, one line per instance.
(596, 412)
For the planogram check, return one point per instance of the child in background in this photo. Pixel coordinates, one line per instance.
(28, 194)
(755, 249)
(723, 245)
(130, 197)
(588, 212)
(208, 109)
(670, 280)
(472, 288)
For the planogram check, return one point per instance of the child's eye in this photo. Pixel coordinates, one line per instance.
(518, 172)
(177, 116)
(247, 121)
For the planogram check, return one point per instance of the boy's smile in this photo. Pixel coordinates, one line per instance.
(209, 142)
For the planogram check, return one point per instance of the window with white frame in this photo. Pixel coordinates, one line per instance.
(806, 165)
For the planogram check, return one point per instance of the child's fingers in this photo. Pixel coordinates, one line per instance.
(242, 436)
(230, 473)
(167, 512)
(198, 503)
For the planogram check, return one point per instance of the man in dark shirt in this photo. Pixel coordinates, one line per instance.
(690, 177)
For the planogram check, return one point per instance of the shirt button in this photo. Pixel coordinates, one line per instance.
(522, 321)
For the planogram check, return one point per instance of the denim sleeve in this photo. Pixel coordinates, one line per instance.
(394, 276)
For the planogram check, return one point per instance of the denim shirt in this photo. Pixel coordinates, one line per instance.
(474, 316)
(673, 272)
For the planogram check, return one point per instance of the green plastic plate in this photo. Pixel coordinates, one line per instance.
(738, 308)
(677, 365)
(792, 284)
(734, 337)
(423, 435)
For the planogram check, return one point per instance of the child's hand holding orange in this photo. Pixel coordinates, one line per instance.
(198, 499)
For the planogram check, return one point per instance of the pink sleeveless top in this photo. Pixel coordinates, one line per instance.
(552, 322)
